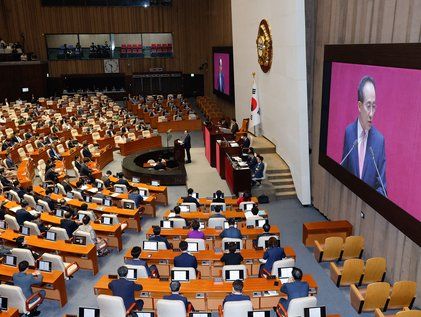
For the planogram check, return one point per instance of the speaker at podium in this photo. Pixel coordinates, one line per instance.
(178, 151)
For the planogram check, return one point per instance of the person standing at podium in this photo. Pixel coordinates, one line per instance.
(187, 145)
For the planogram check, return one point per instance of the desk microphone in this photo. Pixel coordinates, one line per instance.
(377, 170)
(349, 152)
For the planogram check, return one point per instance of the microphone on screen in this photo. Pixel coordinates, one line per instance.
(377, 171)
(349, 152)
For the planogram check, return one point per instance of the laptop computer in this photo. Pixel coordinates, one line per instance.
(128, 205)
(150, 245)
(81, 240)
(135, 179)
(3, 303)
(52, 236)
(106, 220)
(167, 224)
(45, 266)
(233, 275)
(59, 212)
(284, 274)
(155, 183)
(258, 313)
(10, 260)
(26, 231)
(180, 275)
(315, 311)
(192, 246)
(131, 274)
(88, 312)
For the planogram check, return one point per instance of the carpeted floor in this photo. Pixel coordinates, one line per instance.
(289, 215)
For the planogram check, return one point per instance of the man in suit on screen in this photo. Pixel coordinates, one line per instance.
(220, 77)
(364, 146)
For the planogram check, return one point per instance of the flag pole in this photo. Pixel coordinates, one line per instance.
(254, 77)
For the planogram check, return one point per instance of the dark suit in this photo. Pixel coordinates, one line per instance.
(10, 163)
(185, 260)
(70, 226)
(375, 140)
(86, 152)
(125, 289)
(293, 290)
(53, 154)
(177, 297)
(234, 128)
(252, 162)
(231, 232)
(271, 255)
(160, 239)
(22, 215)
(187, 146)
(258, 172)
(235, 298)
(136, 198)
(246, 143)
(221, 82)
(218, 200)
(191, 199)
(232, 258)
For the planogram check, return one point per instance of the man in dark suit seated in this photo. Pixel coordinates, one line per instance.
(25, 281)
(86, 171)
(7, 184)
(218, 198)
(217, 212)
(237, 293)
(136, 197)
(135, 261)
(85, 151)
(175, 294)
(251, 159)
(273, 253)
(234, 126)
(123, 181)
(51, 175)
(231, 232)
(185, 259)
(295, 288)
(9, 162)
(53, 154)
(232, 258)
(69, 224)
(266, 232)
(244, 141)
(190, 198)
(125, 289)
(23, 215)
(157, 237)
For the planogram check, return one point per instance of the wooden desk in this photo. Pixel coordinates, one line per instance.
(321, 230)
(25, 173)
(200, 215)
(238, 179)
(11, 312)
(105, 156)
(154, 289)
(112, 233)
(69, 157)
(106, 141)
(140, 145)
(222, 149)
(211, 134)
(228, 201)
(84, 255)
(191, 125)
(52, 283)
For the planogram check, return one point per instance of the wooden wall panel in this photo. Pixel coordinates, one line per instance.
(349, 22)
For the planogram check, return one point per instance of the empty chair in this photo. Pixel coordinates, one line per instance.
(406, 312)
(30, 200)
(251, 221)
(239, 267)
(236, 308)
(223, 205)
(131, 136)
(113, 306)
(44, 204)
(41, 164)
(192, 206)
(178, 222)
(353, 247)
(24, 255)
(226, 240)
(29, 148)
(351, 272)
(200, 242)
(216, 222)
(15, 196)
(374, 271)
(11, 222)
(118, 140)
(61, 189)
(33, 228)
(122, 188)
(95, 137)
(93, 149)
(16, 299)
(173, 308)
(296, 306)
(287, 262)
(375, 296)
(60, 149)
(330, 250)
(192, 271)
(57, 264)
(403, 295)
(77, 194)
(61, 233)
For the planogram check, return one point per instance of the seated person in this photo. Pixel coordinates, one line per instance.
(185, 259)
(246, 197)
(125, 289)
(232, 258)
(244, 141)
(21, 244)
(86, 171)
(53, 154)
(86, 227)
(295, 288)
(135, 261)
(122, 181)
(217, 212)
(85, 151)
(69, 224)
(195, 233)
(25, 282)
(9, 162)
(175, 294)
(157, 237)
(237, 293)
(160, 165)
(51, 174)
(176, 212)
(23, 215)
(273, 253)
(136, 197)
(218, 198)
(231, 232)
(190, 198)
(251, 159)
(266, 232)
(106, 179)
(253, 214)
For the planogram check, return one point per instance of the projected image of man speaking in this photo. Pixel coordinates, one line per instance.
(364, 147)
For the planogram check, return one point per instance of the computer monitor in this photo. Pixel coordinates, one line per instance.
(143, 192)
(155, 183)
(233, 275)
(3, 303)
(52, 236)
(167, 224)
(195, 195)
(108, 202)
(237, 245)
(180, 275)
(88, 199)
(128, 205)
(39, 208)
(26, 231)
(9, 196)
(315, 311)
(201, 225)
(99, 185)
(192, 246)
(3, 224)
(200, 315)
(184, 208)
(135, 179)
(44, 185)
(258, 313)
(88, 312)
(45, 266)
(11, 260)
(226, 225)
(214, 195)
(80, 216)
(150, 245)
(70, 195)
(131, 274)
(106, 220)
(260, 222)
(143, 314)
(248, 206)
(284, 274)
(56, 190)
(118, 190)
(59, 212)
(81, 240)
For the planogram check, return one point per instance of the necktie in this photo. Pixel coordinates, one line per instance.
(361, 152)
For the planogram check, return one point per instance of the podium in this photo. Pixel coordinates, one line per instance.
(222, 149)
(212, 134)
(178, 151)
(238, 178)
